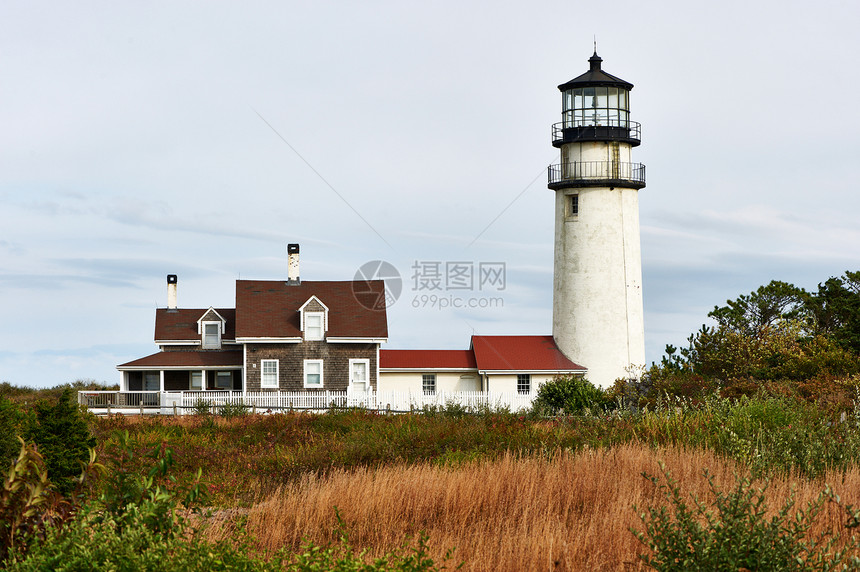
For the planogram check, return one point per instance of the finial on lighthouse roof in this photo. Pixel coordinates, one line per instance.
(596, 77)
(595, 60)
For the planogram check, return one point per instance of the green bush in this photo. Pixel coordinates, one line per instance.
(230, 410)
(343, 558)
(128, 499)
(63, 438)
(569, 395)
(201, 407)
(736, 534)
(11, 420)
(26, 499)
(88, 544)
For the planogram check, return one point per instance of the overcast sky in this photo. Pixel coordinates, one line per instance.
(139, 139)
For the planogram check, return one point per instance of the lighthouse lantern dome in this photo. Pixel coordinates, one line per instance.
(595, 104)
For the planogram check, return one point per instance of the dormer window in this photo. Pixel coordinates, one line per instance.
(314, 325)
(314, 319)
(211, 326)
(211, 336)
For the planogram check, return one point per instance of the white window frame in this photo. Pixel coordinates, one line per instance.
(263, 383)
(305, 374)
(216, 345)
(315, 315)
(524, 380)
(428, 379)
(221, 375)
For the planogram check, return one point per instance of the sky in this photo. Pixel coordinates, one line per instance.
(140, 139)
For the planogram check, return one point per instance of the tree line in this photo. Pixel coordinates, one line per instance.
(778, 337)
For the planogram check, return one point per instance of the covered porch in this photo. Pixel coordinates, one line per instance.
(171, 371)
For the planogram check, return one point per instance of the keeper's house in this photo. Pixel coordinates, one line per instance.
(282, 335)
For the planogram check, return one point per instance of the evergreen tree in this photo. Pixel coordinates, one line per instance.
(63, 438)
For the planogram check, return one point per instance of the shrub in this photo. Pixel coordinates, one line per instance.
(28, 502)
(737, 535)
(63, 438)
(134, 525)
(451, 408)
(230, 410)
(569, 395)
(11, 419)
(88, 544)
(201, 407)
(342, 557)
(128, 499)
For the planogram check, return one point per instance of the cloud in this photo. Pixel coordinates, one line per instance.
(31, 282)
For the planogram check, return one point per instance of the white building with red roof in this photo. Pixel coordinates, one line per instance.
(498, 364)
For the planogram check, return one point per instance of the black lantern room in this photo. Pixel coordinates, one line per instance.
(595, 107)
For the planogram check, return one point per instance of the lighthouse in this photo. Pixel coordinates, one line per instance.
(597, 316)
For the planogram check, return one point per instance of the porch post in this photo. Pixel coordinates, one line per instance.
(123, 381)
(203, 377)
(244, 367)
(161, 381)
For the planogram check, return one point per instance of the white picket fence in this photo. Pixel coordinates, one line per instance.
(187, 402)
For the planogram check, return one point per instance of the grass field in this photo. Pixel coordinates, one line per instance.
(506, 492)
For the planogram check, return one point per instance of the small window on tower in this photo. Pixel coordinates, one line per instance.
(572, 205)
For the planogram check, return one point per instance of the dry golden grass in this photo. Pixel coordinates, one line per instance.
(571, 512)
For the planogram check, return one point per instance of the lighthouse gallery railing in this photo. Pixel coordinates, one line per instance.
(597, 172)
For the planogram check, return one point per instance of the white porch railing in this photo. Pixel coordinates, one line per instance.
(120, 399)
(187, 402)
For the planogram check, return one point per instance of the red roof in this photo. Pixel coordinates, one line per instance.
(520, 353)
(181, 324)
(229, 358)
(427, 359)
(488, 353)
(269, 308)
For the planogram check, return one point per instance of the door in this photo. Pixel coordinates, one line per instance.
(151, 382)
(359, 383)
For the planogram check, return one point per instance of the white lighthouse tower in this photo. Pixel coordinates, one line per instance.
(597, 286)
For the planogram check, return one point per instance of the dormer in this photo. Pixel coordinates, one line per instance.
(211, 326)
(313, 319)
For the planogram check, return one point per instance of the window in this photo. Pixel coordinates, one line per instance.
(572, 205)
(223, 380)
(524, 383)
(196, 381)
(428, 383)
(314, 373)
(595, 106)
(152, 381)
(314, 325)
(211, 335)
(269, 373)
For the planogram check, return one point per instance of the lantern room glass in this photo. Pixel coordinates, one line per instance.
(595, 106)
